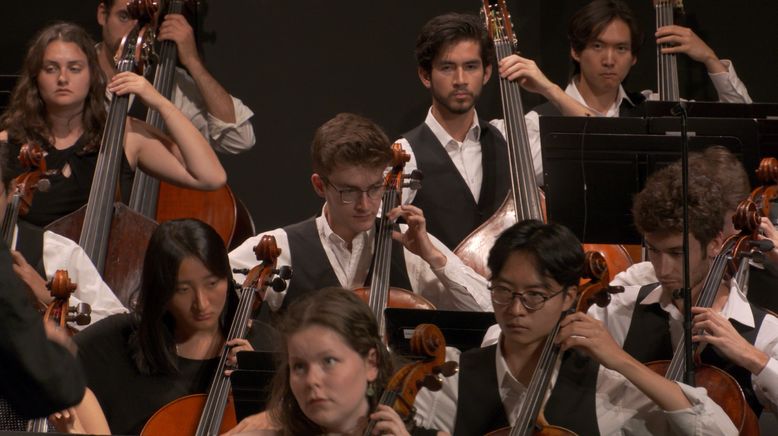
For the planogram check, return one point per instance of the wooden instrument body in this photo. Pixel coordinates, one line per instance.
(180, 417)
(127, 241)
(399, 298)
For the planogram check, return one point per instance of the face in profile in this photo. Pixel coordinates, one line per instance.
(665, 252)
(198, 299)
(64, 78)
(329, 379)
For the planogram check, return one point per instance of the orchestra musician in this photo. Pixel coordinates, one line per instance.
(58, 103)
(333, 371)
(598, 388)
(170, 345)
(739, 336)
(39, 254)
(350, 154)
(221, 118)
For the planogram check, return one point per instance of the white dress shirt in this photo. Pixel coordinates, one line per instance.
(230, 138)
(451, 287)
(59, 253)
(621, 408)
(617, 317)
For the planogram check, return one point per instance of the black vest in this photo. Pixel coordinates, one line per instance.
(480, 409)
(626, 109)
(312, 268)
(762, 284)
(29, 242)
(658, 345)
(449, 206)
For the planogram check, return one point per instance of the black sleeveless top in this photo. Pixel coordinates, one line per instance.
(67, 194)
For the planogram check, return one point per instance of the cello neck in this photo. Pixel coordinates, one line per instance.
(706, 298)
(382, 260)
(666, 64)
(525, 192)
(145, 189)
(10, 218)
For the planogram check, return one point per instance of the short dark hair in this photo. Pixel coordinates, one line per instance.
(349, 139)
(451, 28)
(108, 3)
(172, 242)
(588, 22)
(341, 311)
(556, 251)
(659, 206)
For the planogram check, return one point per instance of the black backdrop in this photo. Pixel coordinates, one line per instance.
(297, 63)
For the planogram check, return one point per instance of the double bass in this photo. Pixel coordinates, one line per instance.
(667, 63)
(161, 201)
(531, 419)
(380, 294)
(525, 200)
(113, 236)
(214, 413)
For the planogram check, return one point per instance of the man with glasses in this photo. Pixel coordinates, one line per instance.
(599, 389)
(350, 155)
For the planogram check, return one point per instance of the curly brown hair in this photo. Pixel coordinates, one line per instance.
(727, 170)
(25, 119)
(349, 139)
(343, 312)
(659, 206)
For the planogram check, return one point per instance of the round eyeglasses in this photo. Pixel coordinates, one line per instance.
(350, 195)
(531, 300)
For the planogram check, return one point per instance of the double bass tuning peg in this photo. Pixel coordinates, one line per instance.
(81, 314)
(447, 369)
(413, 180)
(285, 272)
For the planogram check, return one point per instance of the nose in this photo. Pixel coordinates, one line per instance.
(608, 57)
(62, 76)
(664, 266)
(516, 307)
(459, 76)
(362, 201)
(200, 301)
(313, 376)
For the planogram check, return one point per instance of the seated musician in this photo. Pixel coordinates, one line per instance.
(58, 103)
(598, 388)
(169, 347)
(39, 254)
(334, 369)
(739, 337)
(350, 154)
(221, 118)
(605, 39)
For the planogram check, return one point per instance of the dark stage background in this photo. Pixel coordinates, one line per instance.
(297, 63)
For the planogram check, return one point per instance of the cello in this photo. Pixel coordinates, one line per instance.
(722, 387)
(112, 235)
(380, 294)
(531, 420)
(162, 201)
(525, 200)
(30, 156)
(214, 413)
(402, 388)
(667, 63)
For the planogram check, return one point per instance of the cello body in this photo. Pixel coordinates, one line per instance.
(175, 418)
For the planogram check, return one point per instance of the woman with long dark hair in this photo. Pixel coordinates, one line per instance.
(170, 346)
(59, 104)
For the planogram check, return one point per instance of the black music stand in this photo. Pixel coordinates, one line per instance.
(462, 330)
(591, 177)
(251, 383)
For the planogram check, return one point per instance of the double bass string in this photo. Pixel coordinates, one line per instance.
(667, 68)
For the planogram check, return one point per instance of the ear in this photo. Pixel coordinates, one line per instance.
(318, 184)
(487, 73)
(102, 14)
(424, 76)
(569, 297)
(371, 361)
(634, 60)
(714, 246)
(577, 56)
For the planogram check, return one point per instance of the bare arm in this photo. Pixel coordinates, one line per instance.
(187, 160)
(217, 100)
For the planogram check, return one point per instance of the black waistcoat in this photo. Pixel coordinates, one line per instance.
(29, 242)
(657, 345)
(626, 108)
(445, 198)
(480, 409)
(312, 269)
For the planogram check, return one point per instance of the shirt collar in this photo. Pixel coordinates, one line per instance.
(505, 380)
(327, 234)
(736, 307)
(572, 91)
(443, 137)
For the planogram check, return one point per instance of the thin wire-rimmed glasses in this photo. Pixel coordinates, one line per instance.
(531, 300)
(350, 195)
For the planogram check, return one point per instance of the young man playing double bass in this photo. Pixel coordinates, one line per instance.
(350, 155)
(647, 319)
(536, 269)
